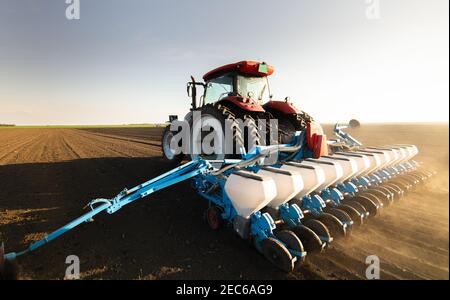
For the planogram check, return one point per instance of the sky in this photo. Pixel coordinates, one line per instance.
(127, 62)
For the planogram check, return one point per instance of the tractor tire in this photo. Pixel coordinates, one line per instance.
(169, 154)
(269, 131)
(219, 115)
(288, 124)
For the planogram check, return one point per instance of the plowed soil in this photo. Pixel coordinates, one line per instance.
(48, 175)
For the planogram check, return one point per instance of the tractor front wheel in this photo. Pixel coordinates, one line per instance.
(170, 153)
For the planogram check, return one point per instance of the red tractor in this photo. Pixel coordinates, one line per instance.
(241, 91)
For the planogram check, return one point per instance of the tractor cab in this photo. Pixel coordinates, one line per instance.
(240, 92)
(245, 84)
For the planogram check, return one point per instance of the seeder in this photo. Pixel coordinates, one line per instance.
(315, 190)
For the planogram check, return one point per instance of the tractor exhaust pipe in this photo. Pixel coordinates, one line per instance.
(192, 91)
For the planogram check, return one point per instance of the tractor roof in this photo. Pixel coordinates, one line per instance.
(251, 68)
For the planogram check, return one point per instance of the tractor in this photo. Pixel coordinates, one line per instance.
(241, 91)
(269, 172)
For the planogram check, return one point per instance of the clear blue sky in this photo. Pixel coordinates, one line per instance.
(128, 61)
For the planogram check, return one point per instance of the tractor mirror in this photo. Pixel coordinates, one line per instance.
(354, 123)
(189, 88)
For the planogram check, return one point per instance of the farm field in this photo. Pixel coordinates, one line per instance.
(47, 175)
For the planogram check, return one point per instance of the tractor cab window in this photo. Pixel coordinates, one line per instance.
(256, 88)
(218, 88)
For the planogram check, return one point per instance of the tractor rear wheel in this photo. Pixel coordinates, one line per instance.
(288, 124)
(211, 130)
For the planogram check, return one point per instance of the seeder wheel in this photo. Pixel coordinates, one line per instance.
(214, 217)
(418, 177)
(387, 191)
(398, 192)
(379, 195)
(355, 215)
(411, 179)
(358, 206)
(402, 184)
(277, 254)
(425, 174)
(292, 242)
(336, 227)
(320, 230)
(376, 197)
(368, 204)
(309, 239)
(343, 217)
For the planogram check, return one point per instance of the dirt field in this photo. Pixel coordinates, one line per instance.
(48, 175)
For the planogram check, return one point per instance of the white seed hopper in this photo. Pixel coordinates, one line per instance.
(362, 161)
(288, 184)
(333, 172)
(249, 192)
(348, 164)
(313, 177)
